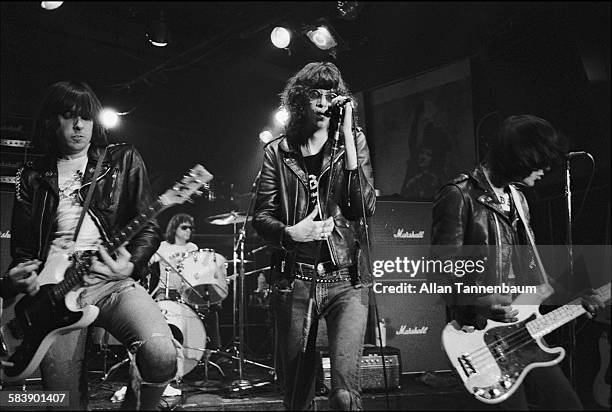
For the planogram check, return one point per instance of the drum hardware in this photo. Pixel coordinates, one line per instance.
(245, 261)
(238, 260)
(231, 218)
(233, 277)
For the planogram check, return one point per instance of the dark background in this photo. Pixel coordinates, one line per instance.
(206, 96)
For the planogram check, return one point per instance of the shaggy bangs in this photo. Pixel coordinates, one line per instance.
(76, 98)
(526, 143)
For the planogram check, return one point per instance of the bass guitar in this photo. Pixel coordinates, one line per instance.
(493, 362)
(56, 310)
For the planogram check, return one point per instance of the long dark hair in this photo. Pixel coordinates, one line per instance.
(175, 222)
(62, 97)
(525, 143)
(316, 75)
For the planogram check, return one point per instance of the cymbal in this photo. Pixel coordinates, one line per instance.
(228, 218)
(238, 261)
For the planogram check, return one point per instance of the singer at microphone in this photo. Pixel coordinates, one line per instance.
(311, 205)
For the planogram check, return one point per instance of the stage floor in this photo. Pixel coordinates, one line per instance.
(429, 391)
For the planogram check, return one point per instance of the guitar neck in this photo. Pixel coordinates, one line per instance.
(132, 228)
(547, 323)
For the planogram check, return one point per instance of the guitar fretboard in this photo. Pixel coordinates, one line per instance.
(547, 323)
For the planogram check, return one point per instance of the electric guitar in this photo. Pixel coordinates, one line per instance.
(493, 362)
(55, 310)
(601, 388)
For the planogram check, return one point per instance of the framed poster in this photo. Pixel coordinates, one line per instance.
(422, 132)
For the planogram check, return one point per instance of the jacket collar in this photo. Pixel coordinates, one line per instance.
(294, 160)
(47, 166)
(485, 193)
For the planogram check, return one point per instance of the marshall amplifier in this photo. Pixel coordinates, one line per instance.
(413, 314)
(372, 377)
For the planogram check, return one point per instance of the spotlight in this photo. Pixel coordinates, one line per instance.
(322, 37)
(281, 37)
(266, 136)
(281, 116)
(109, 118)
(50, 5)
(159, 35)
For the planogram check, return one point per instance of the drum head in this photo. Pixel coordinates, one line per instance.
(188, 329)
(205, 273)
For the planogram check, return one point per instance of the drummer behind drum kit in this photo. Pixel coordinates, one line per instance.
(185, 304)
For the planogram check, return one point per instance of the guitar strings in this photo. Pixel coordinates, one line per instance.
(511, 340)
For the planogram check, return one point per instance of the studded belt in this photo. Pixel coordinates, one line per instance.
(326, 272)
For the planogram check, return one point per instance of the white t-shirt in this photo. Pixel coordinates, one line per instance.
(70, 175)
(173, 254)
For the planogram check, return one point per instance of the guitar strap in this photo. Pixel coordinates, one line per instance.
(89, 195)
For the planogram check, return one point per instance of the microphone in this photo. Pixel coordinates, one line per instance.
(335, 107)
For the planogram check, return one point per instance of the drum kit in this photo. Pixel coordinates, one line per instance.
(203, 283)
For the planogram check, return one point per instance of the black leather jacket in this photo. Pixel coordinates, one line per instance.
(122, 190)
(468, 221)
(282, 200)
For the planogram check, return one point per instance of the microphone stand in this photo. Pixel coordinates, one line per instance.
(572, 324)
(242, 383)
(313, 282)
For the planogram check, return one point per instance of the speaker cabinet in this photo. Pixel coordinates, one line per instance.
(400, 234)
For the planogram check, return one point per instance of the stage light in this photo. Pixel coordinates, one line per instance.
(281, 116)
(50, 5)
(109, 118)
(159, 34)
(281, 37)
(322, 38)
(266, 136)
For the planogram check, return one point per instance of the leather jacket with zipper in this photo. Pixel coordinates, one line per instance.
(122, 191)
(468, 221)
(283, 195)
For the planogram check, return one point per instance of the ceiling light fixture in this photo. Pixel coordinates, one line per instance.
(50, 5)
(322, 37)
(159, 35)
(281, 37)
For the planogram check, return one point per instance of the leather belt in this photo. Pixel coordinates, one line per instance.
(326, 272)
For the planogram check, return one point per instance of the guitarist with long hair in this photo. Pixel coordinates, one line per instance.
(49, 199)
(483, 212)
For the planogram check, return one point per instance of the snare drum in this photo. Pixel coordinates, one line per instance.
(206, 272)
(188, 329)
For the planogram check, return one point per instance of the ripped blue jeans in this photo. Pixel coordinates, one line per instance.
(135, 319)
(345, 309)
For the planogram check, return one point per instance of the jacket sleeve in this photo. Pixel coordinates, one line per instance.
(361, 182)
(144, 244)
(266, 219)
(449, 223)
(22, 230)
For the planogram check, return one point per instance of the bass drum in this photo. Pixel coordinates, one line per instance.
(188, 329)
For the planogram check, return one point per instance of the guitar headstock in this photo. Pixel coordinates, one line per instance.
(194, 183)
